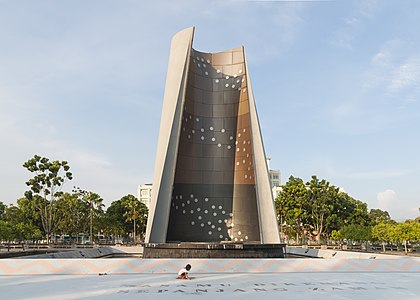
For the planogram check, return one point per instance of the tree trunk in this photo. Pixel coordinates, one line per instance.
(91, 223)
(383, 246)
(405, 247)
(134, 232)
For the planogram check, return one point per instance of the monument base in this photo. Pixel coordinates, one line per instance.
(209, 250)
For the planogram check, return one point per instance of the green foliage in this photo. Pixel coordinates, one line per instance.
(48, 178)
(378, 216)
(136, 212)
(29, 212)
(407, 231)
(45, 186)
(45, 206)
(74, 215)
(383, 232)
(2, 209)
(321, 203)
(25, 231)
(127, 214)
(291, 206)
(115, 224)
(336, 235)
(13, 215)
(356, 232)
(317, 208)
(6, 231)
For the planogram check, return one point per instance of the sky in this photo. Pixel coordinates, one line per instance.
(336, 84)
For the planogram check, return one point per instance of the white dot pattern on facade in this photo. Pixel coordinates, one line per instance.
(191, 207)
(219, 139)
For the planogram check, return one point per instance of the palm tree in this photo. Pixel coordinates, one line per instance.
(134, 211)
(95, 204)
(132, 206)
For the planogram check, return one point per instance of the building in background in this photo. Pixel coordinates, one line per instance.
(275, 179)
(144, 193)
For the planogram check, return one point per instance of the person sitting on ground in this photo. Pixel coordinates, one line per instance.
(183, 273)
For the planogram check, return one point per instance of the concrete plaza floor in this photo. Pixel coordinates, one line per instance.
(310, 285)
(353, 276)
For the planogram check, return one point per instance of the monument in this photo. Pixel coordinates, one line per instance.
(211, 193)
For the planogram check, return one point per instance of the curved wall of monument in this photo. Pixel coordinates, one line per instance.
(214, 196)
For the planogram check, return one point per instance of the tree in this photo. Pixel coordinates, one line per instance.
(292, 207)
(115, 224)
(336, 235)
(383, 232)
(356, 232)
(94, 202)
(74, 215)
(378, 216)
(6, 232)
(13, 215)
(405, 232)
(25, 231)
(94, 205)
(357, 213)
(318, 208)
(135, 211)
(45, 187)
(29, 213)
(321, 202)
(2, 209)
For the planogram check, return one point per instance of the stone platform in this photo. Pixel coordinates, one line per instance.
(333, 278)
(216, 250)
(315, 279)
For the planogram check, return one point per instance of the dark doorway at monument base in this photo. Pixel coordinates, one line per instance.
(213, 250)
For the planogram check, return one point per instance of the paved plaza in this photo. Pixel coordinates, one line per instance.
(382, 277)
(214, 286)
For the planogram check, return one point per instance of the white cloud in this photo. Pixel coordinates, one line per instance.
(286, 19)
(399, 209)
(354, 24)
(407, 75)
(387, 200)
(396, 70)
(375, 175)
(364, 175)
(382, 65)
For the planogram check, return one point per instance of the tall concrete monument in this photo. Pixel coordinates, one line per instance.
(211, 184)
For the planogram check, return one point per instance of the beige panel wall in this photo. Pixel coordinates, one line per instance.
(168, 136)
(266, 210)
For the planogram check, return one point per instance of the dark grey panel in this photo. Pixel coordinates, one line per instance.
(229, 97)
(230, 124)
(202, 163)
(213, 177)
(199, 216)
(204, 216)
(215, 123)
(223, 164)
(203, 83)
(212, 151)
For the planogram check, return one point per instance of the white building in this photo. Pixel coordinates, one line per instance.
(144, 193)
(275, 179)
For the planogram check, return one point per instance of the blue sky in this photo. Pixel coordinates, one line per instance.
(337, 87)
